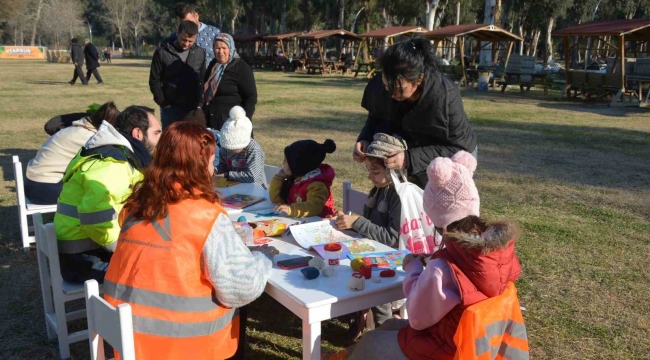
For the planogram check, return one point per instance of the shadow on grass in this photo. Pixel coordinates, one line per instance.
(6, 162)
(315, 80)
(596, 108)
(129, 64)
(583, 155)
(47, 83)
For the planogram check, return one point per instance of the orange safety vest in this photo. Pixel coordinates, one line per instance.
(156, 268)
(493, 329)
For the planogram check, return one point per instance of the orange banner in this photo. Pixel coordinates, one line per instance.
(22, 52)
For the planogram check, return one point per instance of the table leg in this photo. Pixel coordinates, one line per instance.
(310, 340)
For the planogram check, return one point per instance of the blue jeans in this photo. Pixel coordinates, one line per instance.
(172, 114)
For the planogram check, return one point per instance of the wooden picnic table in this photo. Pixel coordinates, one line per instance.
(527, 84)
(641, 81)
(367, 67)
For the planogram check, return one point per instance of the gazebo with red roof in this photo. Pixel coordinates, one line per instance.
(481, 32)
(624, 30)
(314, 39)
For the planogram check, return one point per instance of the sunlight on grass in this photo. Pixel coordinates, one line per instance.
(573, 175)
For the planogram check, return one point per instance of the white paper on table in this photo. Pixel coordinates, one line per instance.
(318, 233)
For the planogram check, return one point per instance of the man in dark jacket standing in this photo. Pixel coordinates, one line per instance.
(92, 61)
(176, 78)
(77, 58)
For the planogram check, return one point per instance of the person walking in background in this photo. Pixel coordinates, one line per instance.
(77, 58)
(92, 61)
(176, 77)
(107, 55)
(207, 33)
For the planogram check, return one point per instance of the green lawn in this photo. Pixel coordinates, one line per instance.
(573, 175)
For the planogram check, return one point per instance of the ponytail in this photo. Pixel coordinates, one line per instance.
(407, 60)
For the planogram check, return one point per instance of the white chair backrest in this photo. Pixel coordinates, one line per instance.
(105, 322)
(20, 185)
(353, 200)
(270, 171)
(46, 243)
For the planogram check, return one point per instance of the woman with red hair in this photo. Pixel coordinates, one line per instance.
(179, 262)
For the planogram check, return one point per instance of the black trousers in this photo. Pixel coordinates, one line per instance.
(95, 73)
(79, 73)
(241, 344)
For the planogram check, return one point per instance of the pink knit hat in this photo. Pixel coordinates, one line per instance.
(451, 194)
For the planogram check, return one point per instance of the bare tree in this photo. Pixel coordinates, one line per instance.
(38, 8)
(62, 20)
(138, 21)
(118, 13)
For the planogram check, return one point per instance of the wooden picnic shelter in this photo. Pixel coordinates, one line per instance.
(621, 71)
(490, 34)
(281, 42)
(251, 45)
(315, 40)
(387, 37)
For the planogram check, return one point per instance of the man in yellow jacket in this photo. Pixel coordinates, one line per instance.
(96, 184)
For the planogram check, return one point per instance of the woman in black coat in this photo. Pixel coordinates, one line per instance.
(229, 82)
(411, 98)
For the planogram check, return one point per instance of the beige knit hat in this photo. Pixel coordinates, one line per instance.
(383, 144)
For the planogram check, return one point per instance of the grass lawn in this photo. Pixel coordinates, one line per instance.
(573, 175)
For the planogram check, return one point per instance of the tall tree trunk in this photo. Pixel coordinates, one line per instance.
(549, 39)
(233, 20)
(366, 23)
(37, 18)
(442, 5)
(486, 52)
(533, 46)
(453, 48)
(341, 24)
(119, 31)
(432, 8)
(283, 17)
(520, 26)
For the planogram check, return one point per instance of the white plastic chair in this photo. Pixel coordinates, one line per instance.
(105, 322)
(353, 200)
(270, 171)
(25, 207)
(55, 291)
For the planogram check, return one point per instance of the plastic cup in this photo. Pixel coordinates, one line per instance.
(333, 254)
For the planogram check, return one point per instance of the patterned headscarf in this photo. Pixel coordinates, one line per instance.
(210, 87)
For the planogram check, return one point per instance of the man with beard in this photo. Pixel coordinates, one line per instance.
(95, 185)
(176, 77)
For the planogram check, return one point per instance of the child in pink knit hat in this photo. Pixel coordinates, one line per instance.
(476, 263)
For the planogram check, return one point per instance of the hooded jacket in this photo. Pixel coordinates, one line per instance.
(175, 82)
(51, 160)
(435, 126)
(474, 269)
(96, 184)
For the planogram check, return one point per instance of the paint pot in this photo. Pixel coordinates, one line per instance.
(333, 254)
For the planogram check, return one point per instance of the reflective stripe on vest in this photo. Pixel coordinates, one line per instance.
(174, 329)
(92, 218)
(497, 328)
(76, 246)
(159, 300)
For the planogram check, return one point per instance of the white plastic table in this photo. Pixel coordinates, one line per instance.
(323, 298)
(248, 189)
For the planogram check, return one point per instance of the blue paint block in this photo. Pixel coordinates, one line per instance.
(241, 219)
(310, 272)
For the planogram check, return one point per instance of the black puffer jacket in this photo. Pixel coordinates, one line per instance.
(174, 82)
(237, 87)
(77, 54)
(435, 126)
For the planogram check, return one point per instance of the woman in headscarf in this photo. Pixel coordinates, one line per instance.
(229, 82)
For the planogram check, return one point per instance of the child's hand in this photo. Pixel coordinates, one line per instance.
(283, 208)
(411, 257)
(344, 222)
